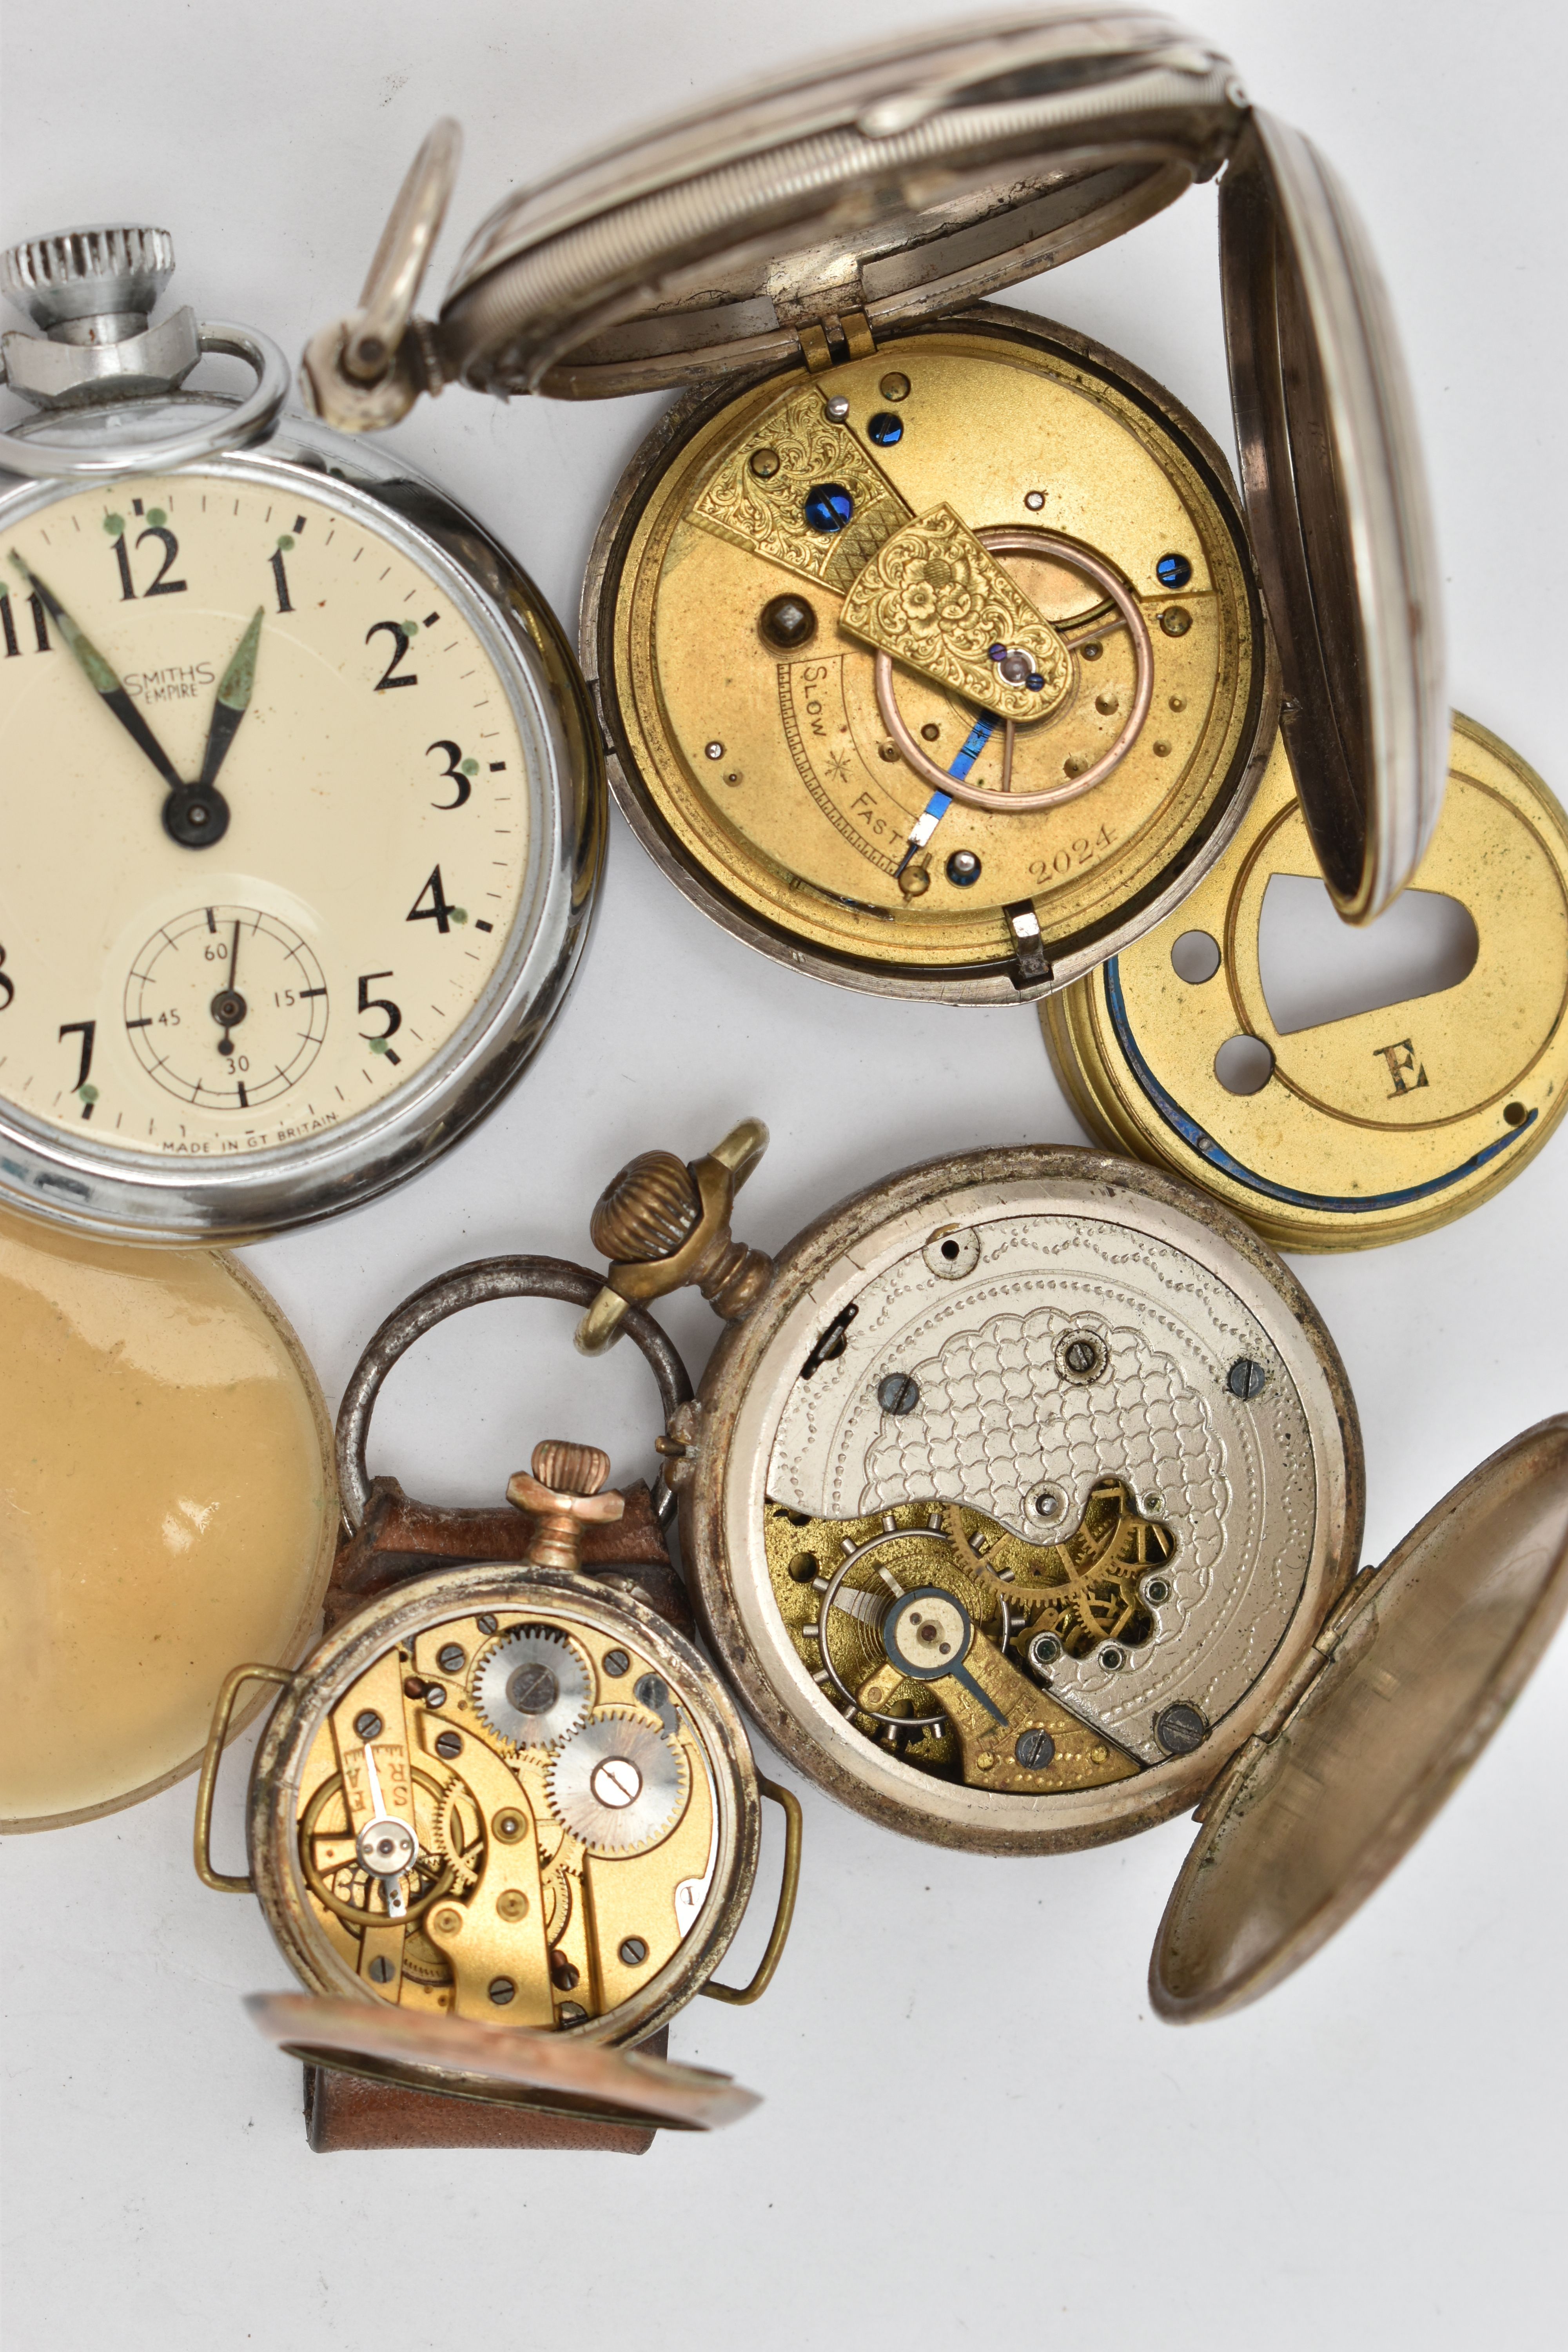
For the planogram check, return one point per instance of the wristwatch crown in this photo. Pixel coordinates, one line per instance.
(568, 1469)
(101, 273)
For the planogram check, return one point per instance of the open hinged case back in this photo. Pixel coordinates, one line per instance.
(1046, 1334)
(1409, 1681)
(837, 213)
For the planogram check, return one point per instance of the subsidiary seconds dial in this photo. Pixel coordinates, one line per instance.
(266, 781)
(204, 1036)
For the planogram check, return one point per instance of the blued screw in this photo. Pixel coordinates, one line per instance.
(1244, 1379)
(1034, 1749)
(899, 1392)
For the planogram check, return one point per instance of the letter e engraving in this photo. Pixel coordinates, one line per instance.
(1401, 1061)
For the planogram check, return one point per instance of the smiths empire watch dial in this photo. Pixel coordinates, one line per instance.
(295, 783)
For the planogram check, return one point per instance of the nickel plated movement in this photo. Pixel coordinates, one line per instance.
(1016, 1491)
(930, 637)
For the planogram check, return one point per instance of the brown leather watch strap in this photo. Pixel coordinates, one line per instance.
(348, 2111)
(399, 1539)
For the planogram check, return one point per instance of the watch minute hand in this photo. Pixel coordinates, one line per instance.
(99, 675)
(232, 700)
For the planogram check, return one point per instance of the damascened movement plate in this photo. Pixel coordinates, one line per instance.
(1037, 1473)
(1376, 1124)
(941, 672)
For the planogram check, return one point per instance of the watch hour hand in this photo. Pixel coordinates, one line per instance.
(234, 691)
(193, 814)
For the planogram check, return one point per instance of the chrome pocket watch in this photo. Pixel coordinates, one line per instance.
(930, 637)
(504, 1820)
(304, 800)
(1022, 1504)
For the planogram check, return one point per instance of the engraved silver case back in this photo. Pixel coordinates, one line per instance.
(87, 1184)
(1263, 1494)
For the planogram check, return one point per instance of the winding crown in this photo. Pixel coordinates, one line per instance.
(647, 1210)
(569, 1469)
(88, 273)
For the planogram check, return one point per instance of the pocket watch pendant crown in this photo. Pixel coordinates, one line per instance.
(561, 1492)
(93, 292)
(663, 1224)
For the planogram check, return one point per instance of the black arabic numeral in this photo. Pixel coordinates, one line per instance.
(40, 624)
(8, 984)
(127, 585)
(401, 643)
(379, 1004)
(451, 773)
(162, 585)
(281, 577)
(438, 911)
(85, 1031)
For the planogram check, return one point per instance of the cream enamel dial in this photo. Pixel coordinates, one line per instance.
(307, 967)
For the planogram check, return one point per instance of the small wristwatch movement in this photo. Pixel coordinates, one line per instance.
(504, 1820)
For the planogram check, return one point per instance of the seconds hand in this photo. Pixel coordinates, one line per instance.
(228, 1008)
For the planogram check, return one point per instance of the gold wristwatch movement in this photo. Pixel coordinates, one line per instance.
(504, 1820)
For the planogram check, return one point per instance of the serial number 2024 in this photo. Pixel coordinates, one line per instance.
(1075, 852)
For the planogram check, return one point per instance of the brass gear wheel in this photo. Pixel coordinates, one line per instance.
(464, 1855)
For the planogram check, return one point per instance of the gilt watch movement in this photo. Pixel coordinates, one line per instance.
(936, 651)
(504, 1820)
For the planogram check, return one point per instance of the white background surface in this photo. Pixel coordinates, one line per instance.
(974, 2131)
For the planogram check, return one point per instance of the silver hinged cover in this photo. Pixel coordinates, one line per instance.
(1336, 498)
(1425, 1658)
(896, 182)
